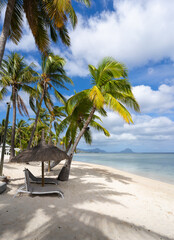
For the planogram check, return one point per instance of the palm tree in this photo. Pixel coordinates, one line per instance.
(53, 76)
(54, 118)
(16, 74)
(42, 123)
(2, 128)
(73, 124)
(111, 89)
(21, 134)
(75, 120)
(46, 18)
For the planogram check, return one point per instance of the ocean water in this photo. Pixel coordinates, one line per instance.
(155, 166)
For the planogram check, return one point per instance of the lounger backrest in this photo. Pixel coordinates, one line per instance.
(31, 176)
(27, 180)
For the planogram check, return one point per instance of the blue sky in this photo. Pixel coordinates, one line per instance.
(139, 34)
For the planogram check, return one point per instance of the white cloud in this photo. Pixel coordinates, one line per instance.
(2, 15)
(158, 101)
(136, 32)
(25, 98)
(3, 105)
(26, 44)
(30, 60)
(147, 134)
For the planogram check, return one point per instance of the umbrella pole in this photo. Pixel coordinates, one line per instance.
(42, 174)
(49, 166)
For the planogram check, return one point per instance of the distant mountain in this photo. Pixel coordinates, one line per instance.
(95, 150)
(127, 150)
(98, 150)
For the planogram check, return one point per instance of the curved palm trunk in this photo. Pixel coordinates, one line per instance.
(65, 171)
(69, 146)
(12, 153)
(36, 120)
(6, 27)
(55, 163)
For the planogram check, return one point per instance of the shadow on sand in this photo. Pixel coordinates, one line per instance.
(64, 219)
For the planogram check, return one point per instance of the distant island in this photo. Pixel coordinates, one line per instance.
(98, 150)
(95, 150)
(127, 150)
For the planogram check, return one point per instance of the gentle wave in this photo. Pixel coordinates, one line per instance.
(155, 166)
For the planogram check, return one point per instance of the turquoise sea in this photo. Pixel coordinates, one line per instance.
(155, 166)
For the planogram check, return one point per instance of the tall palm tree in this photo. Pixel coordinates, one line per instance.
(46, 18)
(21, 134)
(16, 74)
(53, 76)
(73, 123)
(111, 89)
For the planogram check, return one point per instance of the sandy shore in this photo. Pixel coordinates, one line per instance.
(100, 203)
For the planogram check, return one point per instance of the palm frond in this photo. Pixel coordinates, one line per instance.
(36, 21)
(3, 93)
(76, 99)
(96, 97)
(32, 105)
(88, 136)
(15, 32)
(116, 106)
(59, 96)
(98, 127)
(63, 33)
(86, 2)
(21, 106)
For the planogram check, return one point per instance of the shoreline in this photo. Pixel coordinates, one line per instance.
(127, 173)
(157, 167)
(100, 203)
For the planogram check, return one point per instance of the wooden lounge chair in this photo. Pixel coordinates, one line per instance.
(34, 179)
(36, 189)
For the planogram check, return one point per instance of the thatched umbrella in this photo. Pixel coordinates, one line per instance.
(42, 152)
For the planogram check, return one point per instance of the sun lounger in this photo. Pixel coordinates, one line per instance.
(34, 179)
(3, 187)
(35, 189)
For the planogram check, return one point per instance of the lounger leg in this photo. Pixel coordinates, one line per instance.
(19, 190)
(61, 194)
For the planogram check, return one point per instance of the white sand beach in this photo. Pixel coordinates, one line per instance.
(100, 203)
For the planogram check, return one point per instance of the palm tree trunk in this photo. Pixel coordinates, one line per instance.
(36, 120)
(50, 126)
(6, 27)
(12, 153)
(65, 171)
(55, 163)
(69, 146)
(20, 141)
(50, 140)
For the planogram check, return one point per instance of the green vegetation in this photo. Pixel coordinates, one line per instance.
(52, 76)
(46, 19)
(74, 117)
(16, 75)
(111, 89)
